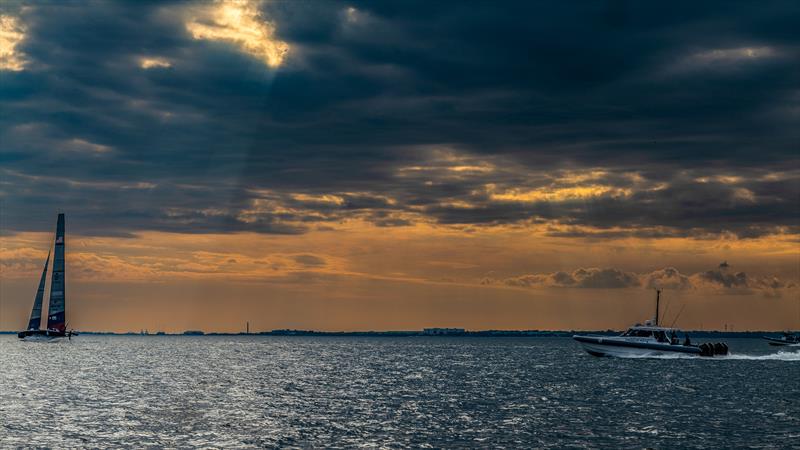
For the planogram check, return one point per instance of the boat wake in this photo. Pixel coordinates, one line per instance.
(779, 356)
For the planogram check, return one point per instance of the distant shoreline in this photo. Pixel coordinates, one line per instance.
(478, 333)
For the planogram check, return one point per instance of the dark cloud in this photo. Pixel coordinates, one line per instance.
(310, 260)
(591, 278)
(721, 279)
(407, 111)
(686, 204)
(667, 278)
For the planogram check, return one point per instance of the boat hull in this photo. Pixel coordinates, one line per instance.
(781, 342)
(610, 346)
(41, 335)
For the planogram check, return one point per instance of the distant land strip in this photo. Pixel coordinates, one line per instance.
(426, 333)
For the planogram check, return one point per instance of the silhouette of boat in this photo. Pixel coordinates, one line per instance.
(56, 311)
(649, 339)
(788, 338)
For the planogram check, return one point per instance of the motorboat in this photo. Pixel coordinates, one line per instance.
(649, 339)
(788, 339)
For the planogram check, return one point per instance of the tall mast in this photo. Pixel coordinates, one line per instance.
(658, 298)
(56, 319)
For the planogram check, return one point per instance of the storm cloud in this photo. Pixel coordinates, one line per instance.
(594, 120)
(722, 279)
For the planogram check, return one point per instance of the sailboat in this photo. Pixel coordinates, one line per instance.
(56, 312)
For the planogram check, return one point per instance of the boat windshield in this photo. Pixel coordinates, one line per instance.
(638, 333)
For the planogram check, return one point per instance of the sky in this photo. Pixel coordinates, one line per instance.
(394, 165)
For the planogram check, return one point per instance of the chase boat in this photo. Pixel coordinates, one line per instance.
(649, 339)
(790, 339)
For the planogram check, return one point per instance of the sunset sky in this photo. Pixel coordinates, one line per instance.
(402, 164)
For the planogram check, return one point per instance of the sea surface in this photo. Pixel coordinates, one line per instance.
(308, 392)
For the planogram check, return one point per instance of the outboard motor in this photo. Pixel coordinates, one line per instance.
(713, 349)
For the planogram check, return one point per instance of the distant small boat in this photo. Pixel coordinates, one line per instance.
(788, 339)
(56, 313)
(649, 339)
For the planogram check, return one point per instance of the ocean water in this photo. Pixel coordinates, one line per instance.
(307, 392)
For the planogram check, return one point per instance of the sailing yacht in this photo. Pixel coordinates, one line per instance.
(56, 312)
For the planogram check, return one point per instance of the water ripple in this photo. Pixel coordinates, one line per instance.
(255, 392)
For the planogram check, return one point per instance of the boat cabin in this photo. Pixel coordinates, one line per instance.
(660, 334)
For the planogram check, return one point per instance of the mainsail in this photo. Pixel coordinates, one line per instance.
(36, 312)
(55, 316)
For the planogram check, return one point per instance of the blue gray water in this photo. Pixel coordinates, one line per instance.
(231, 392)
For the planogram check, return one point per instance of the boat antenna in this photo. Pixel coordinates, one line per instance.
(658, 298)
(676, 317)
(666, 308)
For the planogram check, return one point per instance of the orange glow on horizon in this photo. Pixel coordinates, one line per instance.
(434, 265)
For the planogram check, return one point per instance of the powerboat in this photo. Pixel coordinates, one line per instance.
(649, 339)
(788, 339)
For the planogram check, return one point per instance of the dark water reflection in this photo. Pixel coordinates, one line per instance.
(388, 392)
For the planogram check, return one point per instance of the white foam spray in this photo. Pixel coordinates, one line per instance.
(779, 356)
